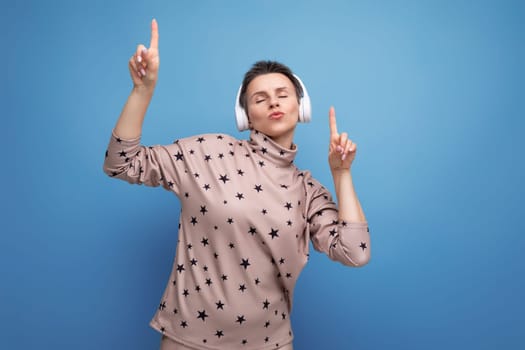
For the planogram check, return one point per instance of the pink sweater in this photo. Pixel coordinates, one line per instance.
(248, 214)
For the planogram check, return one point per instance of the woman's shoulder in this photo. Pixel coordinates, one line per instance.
(310, 182)
(207, 140)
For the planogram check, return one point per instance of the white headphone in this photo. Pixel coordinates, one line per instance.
(305, 109)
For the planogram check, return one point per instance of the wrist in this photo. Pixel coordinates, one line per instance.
(340, 171)
(142, 90)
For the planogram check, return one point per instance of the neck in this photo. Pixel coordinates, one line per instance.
(285, 140)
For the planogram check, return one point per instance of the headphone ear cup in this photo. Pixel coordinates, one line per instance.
(305, 105)
(240, 114)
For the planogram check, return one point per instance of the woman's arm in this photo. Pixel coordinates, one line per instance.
(143, 68)
(341, 155)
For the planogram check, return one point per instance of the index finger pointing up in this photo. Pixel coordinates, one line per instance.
(154, 34)
(333, 124)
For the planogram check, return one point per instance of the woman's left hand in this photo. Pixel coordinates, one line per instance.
(342, 150)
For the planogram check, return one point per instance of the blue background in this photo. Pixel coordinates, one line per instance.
(432, 92)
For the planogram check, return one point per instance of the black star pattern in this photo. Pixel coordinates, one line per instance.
(219, 241)
(224, 178)
(245, 263)
(240, 319)
(202, 315)
(179, 156)
(362, 245)
(122, 154)
(274, 233)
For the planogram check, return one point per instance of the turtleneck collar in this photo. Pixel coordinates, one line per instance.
(271, 150)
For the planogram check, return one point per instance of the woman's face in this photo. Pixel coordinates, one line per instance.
(273, 107)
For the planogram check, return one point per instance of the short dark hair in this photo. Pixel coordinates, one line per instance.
(266, 67)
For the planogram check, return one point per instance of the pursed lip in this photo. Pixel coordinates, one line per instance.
(276, 115)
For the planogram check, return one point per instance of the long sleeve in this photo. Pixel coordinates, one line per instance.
(346, 242)
(137, 164)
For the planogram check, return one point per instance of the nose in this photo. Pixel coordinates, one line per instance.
(274, 102)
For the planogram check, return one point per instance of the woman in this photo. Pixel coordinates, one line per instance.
(247, 212)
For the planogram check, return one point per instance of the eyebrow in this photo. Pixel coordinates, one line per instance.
(279, 89)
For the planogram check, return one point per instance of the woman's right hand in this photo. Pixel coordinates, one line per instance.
(144, 64)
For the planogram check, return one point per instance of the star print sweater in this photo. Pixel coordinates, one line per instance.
(247, 216)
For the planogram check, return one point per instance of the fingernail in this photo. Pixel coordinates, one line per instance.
(140, 75)
(143, 71)
(139, 59)
(144, 50)
(339, 148)
(343, 157)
